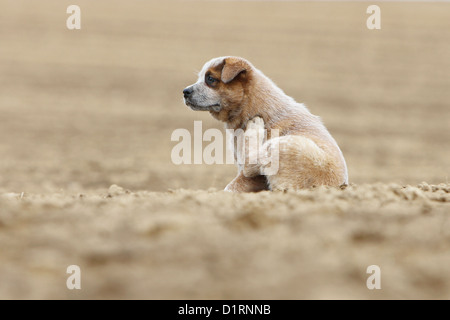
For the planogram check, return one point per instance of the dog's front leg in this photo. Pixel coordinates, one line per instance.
(247, 184)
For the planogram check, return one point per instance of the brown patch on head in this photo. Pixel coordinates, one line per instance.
(233, 75)
(215, 71)
(233, 67)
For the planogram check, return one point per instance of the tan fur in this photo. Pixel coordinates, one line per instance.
(308, 154)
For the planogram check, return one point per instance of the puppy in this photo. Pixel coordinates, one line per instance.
(237, 93)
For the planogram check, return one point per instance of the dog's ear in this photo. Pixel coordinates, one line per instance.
(232, 68)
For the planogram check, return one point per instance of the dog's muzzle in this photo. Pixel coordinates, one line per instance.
(187, 92)
(190, 102)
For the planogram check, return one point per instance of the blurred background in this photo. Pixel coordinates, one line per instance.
(84, 109)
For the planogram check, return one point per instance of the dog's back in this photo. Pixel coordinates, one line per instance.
(308, 154)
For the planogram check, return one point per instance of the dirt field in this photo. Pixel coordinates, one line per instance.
(86, 176)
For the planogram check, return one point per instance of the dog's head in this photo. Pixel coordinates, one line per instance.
(221, 86)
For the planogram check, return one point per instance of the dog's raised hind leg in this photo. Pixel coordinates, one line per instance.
(254, 137)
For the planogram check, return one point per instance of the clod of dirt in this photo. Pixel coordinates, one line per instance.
(115, 191)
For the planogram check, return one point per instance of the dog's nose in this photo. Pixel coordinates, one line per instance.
(187, 92)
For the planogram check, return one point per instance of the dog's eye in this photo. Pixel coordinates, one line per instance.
(210, 80)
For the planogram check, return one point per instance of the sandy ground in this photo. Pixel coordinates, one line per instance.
(84, 111)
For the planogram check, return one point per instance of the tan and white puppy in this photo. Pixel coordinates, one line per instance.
(240, 95)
